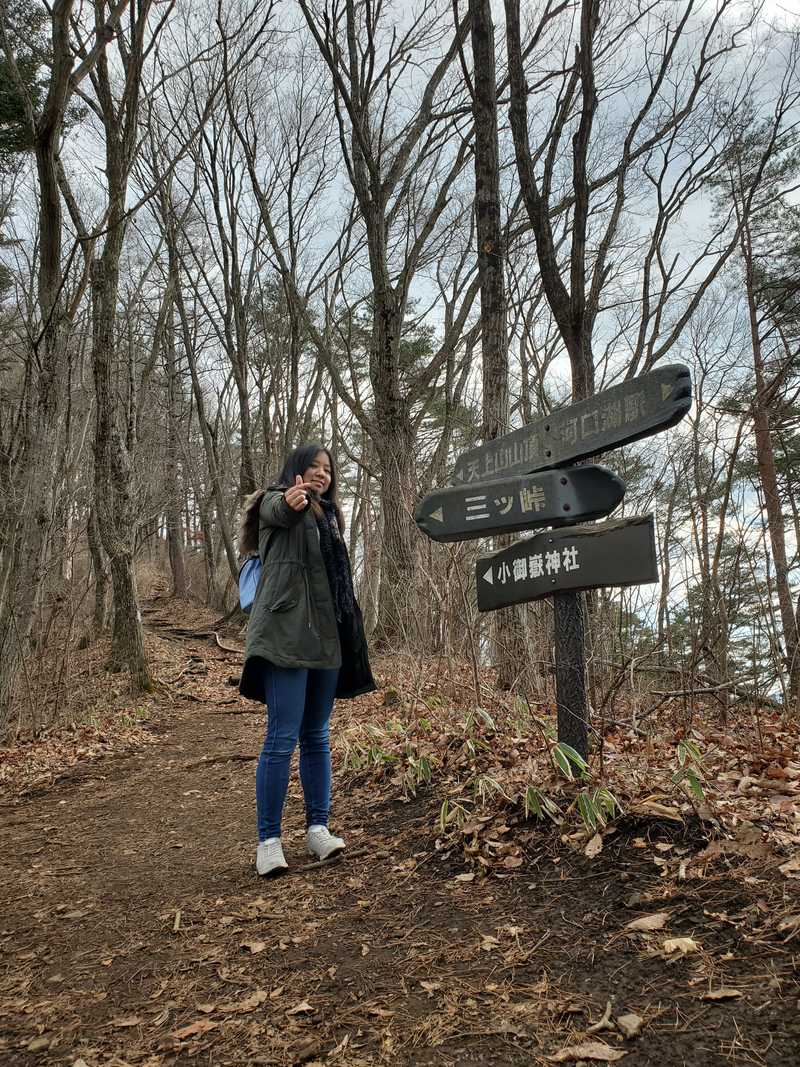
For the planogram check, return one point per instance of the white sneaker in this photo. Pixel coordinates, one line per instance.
(322, 844)
(269, 856)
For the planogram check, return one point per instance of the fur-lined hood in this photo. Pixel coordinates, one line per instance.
(248, 524)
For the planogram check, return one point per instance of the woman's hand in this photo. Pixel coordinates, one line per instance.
(297, 495)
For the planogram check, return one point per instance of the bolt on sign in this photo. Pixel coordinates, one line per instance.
(522, 503)
(619, 552)
(618, 416)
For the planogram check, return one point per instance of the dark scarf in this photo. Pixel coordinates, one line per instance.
(337, 563)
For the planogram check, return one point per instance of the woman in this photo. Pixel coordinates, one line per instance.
(305, 643)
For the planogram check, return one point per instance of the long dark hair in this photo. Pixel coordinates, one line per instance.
(297, 462)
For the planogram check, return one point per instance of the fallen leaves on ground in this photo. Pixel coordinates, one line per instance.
(301, 1009)
(254, 946)
(594, 846)
(247, 1004)
(656, 921)
(202, 1026)
(630, 1024)
(588, 1050)
(683, 945)
(396, 946)
(792, 867)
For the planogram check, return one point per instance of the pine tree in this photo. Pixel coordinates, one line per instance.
(25, 29)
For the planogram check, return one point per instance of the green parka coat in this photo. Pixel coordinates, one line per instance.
(292, 622)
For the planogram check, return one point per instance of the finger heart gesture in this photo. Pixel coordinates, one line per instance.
(296, 496)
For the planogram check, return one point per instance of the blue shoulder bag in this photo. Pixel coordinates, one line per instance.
(249, 577)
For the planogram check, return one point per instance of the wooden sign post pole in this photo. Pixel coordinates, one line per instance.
(570, 654)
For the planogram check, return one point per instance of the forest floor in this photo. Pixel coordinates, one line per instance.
(134, 929)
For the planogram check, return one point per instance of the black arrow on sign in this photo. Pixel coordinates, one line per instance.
(509, 504)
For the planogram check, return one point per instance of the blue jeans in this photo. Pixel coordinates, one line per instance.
(299, 706)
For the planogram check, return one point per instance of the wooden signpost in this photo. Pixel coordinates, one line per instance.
(618, 416)
(520, 481)
(523, 503)
(620, 552)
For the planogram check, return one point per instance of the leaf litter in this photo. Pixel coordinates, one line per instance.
(648, 923)
(589, 1050)
(485, 925)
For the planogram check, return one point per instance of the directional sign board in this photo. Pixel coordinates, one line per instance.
(617, 416)
(509, 504)
(619, 552)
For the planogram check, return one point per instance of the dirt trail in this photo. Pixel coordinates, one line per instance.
(134, 930)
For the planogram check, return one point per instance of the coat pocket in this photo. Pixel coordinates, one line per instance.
(284, 586)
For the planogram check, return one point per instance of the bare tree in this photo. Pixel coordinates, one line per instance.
(651, 135)
(509, 634)
(759, 176)
(402, 169)
(118, 109)
(32, 444)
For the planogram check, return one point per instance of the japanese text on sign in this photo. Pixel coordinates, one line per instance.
(616, 416)
(480, 506)
(500, 459)
(538, 565)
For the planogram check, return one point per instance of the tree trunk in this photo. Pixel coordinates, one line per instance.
(574, 308)
(117, 510)
(238, 350)
(27, 570)
(117, 412)
(102, 575)
(215, 596)
(127, 638)
(571, 671)
(197, 389)
(663, 632)
(765, 458)
(173, 487)
(33, 480)
(491, 250)
(509, 634)
(396, 616)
